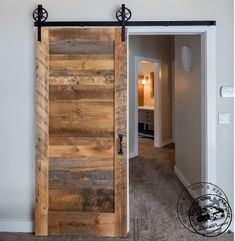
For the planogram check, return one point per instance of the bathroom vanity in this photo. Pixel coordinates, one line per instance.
(146, 118)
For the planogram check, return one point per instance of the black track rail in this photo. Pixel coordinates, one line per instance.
(117, 24)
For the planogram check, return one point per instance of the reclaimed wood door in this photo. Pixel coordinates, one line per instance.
(81, 108)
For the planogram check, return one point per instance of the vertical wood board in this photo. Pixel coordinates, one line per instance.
(42, 87)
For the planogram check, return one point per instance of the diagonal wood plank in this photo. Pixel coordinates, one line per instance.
(42, 86)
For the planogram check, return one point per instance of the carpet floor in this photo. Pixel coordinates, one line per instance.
(154, 191)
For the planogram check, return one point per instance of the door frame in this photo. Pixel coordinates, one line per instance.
(157, 99)
(208, 88)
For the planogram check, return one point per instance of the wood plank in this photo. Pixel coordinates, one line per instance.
(82, 80)
(76, 132)
(92, 92)
(83, 64)
(91, 123)
(41, 186)
(120, 125)
(77, 151)
(79, 164)
(95, 224)
(79, 73)
(67, 179)
(57, 34)
(84, 57)
(99, 198)
(90, 115)
(105, 142)
(61, 108)
(94, 47)
(81, 185)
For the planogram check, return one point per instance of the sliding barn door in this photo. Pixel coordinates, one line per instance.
(81, 108)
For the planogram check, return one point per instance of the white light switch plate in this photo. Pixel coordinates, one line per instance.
(224, 118)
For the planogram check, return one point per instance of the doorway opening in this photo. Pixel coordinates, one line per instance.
(206, 36)
(147, 114)
(167, 87)
(170, 141)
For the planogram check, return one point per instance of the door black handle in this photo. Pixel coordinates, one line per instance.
(120, 138)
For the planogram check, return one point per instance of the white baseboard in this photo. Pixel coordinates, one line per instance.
(132, 154)
(231, 227)
(181, 177)
(166, 142)
(16, 226)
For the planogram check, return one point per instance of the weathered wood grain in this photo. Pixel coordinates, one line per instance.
(58, 34)
(81, 199)
(61, 133)
(94, 142)
(69, 108)
(120, 126)
(82, 92)
(86, 101)
(82, 80)
(77, 178)
(94, 47)
(70, 151)
(84, 64)
(93, 224)
(79, 57)
(88, 190)
(79, 164)
(81, 124)
(42, 83)
(91, 124)
(71, 71)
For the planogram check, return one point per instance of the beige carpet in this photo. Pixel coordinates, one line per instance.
(154, 191)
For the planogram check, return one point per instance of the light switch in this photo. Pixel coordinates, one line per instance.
(227, 91)
(224, 118)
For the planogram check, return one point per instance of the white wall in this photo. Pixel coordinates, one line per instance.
(187, 106)
(144, 68)
(17, 83)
